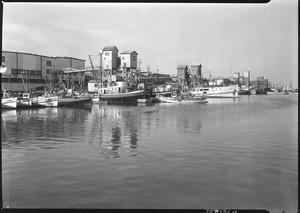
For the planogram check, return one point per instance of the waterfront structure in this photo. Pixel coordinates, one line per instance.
(27, 71)
(247, 78)
(109, 63)
(155, 78)
(110, 58)
(129, 59)
(196, 70)
(260, 78)
(195, 74)
(182, 75)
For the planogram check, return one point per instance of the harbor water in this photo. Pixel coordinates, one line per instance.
(228, 153)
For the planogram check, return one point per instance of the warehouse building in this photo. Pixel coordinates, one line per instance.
(35, 70)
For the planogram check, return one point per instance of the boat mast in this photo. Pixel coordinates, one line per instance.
(100, 69)
(139, 72)
(94, 74)
(23, 81)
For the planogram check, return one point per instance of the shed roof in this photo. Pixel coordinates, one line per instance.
(110, 48)
(129, 51)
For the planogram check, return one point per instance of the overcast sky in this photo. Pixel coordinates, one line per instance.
(223, 38)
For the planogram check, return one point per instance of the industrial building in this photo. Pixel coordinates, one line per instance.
(110, 59)
(189, 76)
(27, 71)
(129, 59)
(182, 74)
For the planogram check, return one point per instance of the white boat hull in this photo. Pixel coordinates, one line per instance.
(181, 101)
(45, 101)
(24, 103)
(9, 103)
(216, 92)
(95, 100)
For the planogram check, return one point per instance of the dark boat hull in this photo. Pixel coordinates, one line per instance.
(244, 92)
(122, 97)
(74, 102)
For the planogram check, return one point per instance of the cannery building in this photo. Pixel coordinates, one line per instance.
(27, 71)
(129, 59)
(110, 58)
(182, 73)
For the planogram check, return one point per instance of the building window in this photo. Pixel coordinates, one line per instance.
(3, 58)
(38, 73)
(74, 74)
(123, 58)
(106, 54)
(48, 71)
(32, 72)
(48, 63)
(134, 57)
(14, 71)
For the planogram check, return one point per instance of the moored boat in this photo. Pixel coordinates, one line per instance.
(181, 101)
(216, 91)
(183, 98)
(119, 93)
(74, 101)
(24, 100)
(9, 103)
(244, 92)
(95, 99)
(46, 100)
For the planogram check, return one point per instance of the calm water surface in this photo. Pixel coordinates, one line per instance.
(227, 153)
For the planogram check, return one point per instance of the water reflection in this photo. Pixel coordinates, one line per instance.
(39, 126)
(114, 127)
(223, 100)
(9, 115)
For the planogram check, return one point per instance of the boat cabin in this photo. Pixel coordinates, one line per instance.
(119, 87)
(24, 96)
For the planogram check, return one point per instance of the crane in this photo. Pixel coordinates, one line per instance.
(94, 75)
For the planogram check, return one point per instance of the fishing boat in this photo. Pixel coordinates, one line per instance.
(286, 92)
(253, 91)
(244, 92)
(182, 101)
(24, 100)
(119, 93)
(183, 98)
(45, 100)
(74, 101)
(8, 102)
(272, 91)
(261, 91)
(216, 91)
(95, 98)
